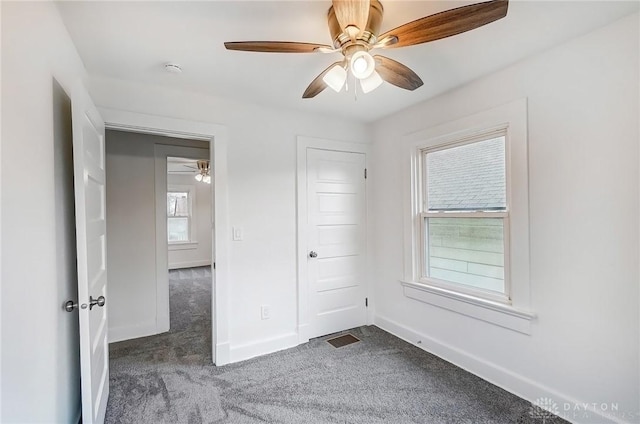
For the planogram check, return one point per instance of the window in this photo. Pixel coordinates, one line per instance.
(179, 216)
(464, 217)
(466, 230)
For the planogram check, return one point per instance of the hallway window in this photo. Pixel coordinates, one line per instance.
(179, 216)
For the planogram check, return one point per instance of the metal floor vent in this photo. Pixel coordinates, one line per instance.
(343, 340)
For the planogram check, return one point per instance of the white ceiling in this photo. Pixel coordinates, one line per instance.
(133, 40)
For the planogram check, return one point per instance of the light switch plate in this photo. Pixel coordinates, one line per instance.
(237, 233)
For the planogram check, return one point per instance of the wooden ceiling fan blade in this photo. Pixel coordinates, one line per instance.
(397, 74)
(318, 84)
(383, 43)
(447, 23)
(352, 13)
(275, 46)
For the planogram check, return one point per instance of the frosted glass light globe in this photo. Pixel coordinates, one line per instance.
(335, 78)
(359, 65)
(362, 64)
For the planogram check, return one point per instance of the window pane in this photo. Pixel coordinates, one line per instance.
(177, 204)
(467, 251)
(178, 229)
(468, 177)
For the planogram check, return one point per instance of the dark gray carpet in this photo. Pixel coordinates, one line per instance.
(381, 379)
(189, 339)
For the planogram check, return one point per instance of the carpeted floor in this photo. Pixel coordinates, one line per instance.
(381, 379)
(189, 340)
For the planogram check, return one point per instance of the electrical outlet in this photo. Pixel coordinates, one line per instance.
(265, 312)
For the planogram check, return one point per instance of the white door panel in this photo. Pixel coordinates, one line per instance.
(336, 232)
(89, 182)
(341, 271)
(338, 235)
(338, 300)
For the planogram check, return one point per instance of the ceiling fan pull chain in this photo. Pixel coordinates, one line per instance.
(355, 89)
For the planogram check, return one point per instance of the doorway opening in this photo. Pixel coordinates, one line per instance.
(216, 138)
(160, 249)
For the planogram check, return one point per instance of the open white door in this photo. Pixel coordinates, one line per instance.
(336, 223)
(89, 181)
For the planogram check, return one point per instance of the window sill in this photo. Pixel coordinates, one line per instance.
(493, 312)
(188, 245)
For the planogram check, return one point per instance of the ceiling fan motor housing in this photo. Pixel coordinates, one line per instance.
(369, 34)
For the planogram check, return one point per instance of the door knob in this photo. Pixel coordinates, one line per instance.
(100, 301)
(313, 254)
(69, 306)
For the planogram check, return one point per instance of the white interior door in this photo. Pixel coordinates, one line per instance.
(89, 181)
(336, 215)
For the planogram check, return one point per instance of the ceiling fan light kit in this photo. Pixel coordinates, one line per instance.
(354, 26)
(204, 172)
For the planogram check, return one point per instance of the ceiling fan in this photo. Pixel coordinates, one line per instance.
(355, 30)
(204, 171)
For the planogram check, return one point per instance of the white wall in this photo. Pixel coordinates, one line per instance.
(131, 231)
(200, 254)
(40, 372)
(262, 176)
(0, 222)
(583, 170)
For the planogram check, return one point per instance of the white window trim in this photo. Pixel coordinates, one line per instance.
(192, 243)
(516, 313)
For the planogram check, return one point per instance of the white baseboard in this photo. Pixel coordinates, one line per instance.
(223, 355)
(262, 347)
(303, 333)
(517, 384)
(189, 264)
(119, 334)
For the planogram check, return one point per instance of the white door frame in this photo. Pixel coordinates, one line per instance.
(218, 138)
(303, 143)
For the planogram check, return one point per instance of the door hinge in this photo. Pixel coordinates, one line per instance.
(365, 173)
(366, 302)
(214, 265)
